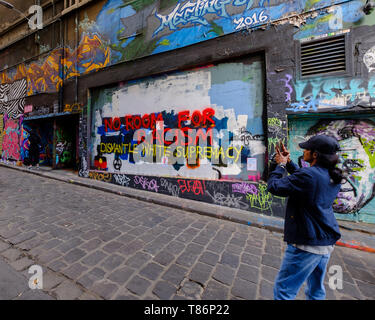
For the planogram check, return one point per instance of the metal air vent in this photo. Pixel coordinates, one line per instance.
(324, 56)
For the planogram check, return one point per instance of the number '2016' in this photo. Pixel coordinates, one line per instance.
(249, 21)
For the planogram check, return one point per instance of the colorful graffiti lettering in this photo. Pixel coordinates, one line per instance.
(286, 81)
(274, 122)
(196, 187)
(147, 184)
(192, 12)
(100, 176)
(244, 188)
(197, 138)
(75, 107)
(317, 94)
(243, 196)
(262, 200)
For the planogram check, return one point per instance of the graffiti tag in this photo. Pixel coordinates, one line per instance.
(191, 186)
(192, 12)
(170, 187)
(255, 19)
(244, 188)
(121, 179)
(229, 200)
(146, 184)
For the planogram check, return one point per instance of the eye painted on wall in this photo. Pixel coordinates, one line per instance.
(352, 165)
(345, 133)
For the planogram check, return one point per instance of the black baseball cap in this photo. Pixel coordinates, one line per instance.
(321, 143)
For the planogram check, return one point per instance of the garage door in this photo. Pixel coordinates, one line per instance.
(222, 103)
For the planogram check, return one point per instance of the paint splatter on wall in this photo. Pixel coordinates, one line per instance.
(356, 137)
(226, 97)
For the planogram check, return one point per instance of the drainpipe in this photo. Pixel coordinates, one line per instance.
(77, 44)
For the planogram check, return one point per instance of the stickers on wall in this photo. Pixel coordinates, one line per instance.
(252, 164)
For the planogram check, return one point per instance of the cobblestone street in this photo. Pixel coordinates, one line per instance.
(96, 245)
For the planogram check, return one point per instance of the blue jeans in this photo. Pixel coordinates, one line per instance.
(297, 267)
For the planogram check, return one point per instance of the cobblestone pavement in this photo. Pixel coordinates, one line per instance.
(96, 245)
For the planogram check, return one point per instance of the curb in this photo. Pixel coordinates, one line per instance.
(354, 239)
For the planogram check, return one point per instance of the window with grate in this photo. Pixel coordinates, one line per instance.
(323, 57)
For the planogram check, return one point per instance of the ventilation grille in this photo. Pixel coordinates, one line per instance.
(323, 56)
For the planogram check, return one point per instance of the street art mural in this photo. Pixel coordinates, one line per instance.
(123, 31)
(339, 17)
(45, 131)
(12, 98)
(356, 137)
(48, 75)
(320, 94)
(145, 27)
(1, 133)
(214, 101)
(11, 139)
(64, 146)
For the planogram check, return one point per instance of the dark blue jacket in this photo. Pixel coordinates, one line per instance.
(309, 215)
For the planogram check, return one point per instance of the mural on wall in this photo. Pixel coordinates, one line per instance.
(24, 142)
(123, 31)
(339, 17)
(12, 98)
(64, 145)
(47, 76)
(11, 139)
(337, 93)
(1, 132)
(226, 99)
(142, 28)
(45, 132)
(356, 137)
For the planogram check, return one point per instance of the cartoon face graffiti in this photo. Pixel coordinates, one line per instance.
(357, 160)
(369, 59)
